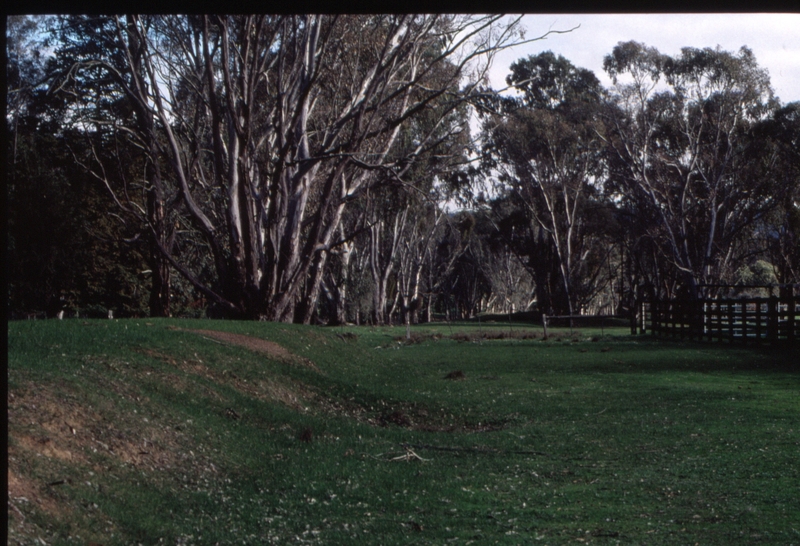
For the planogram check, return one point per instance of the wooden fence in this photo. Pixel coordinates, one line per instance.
(751, 320)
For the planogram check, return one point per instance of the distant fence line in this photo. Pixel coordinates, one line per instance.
(740, 320)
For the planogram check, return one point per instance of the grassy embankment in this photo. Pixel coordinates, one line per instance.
(140, 431)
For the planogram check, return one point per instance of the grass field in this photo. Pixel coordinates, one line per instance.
(152, 432)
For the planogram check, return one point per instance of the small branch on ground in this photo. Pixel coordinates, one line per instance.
(410, 454)
(475, 449)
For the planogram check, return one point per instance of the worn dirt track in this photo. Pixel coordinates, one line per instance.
(255, 344)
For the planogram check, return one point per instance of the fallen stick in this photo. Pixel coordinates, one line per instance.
(214, 340)
(408, 456)
(474, 449)
(14, 506)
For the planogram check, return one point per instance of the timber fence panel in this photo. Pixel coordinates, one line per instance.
(731, 310)
(747, 320)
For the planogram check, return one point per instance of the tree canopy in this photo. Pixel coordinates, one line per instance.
(307, 168)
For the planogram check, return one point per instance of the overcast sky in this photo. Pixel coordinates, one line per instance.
(774, 39)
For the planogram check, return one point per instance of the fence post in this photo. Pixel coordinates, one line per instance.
(792, 317)
(674, 308)
(643, 315)
(791, 311)
(698, 318)
(653, 316)
(743, 303)
(731, 319)
(759, 320)
(772, 319)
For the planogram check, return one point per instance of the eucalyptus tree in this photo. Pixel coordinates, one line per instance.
(412, 212)
(414, 261)
(24, 68)
(545, 152)
(787, 134)
(99, 75)
(386, 228)
(336, 285)
(259, 131)
(676, 135)
(773, 152)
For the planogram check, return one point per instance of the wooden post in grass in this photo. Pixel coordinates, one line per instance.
(772, 319)
(544, 323)
(759, 319)
(654, 317)
(731, 321)
(633, 319)
(673, 306)
(408, 324)
(790, 319)
(744, 322)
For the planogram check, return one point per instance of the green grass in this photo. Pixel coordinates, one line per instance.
(132, 431)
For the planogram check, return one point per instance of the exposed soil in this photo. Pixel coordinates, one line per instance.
(263, 389)
(58, 439)
(488, 335)
(383, 413)
(58, 426)
(256, 344)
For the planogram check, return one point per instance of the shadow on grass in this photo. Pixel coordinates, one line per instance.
(579, 353)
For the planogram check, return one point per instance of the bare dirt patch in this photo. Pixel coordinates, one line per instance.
(24, 491)
(409, 416)
(58, 439)
(56, 426)
(295, 394)
(262, 388)
(489, 335)
(255, 344)
(25, 497)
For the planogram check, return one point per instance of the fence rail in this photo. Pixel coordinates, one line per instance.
(752, 320)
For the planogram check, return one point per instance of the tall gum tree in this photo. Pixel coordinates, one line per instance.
(269, 126)
(676, 136)
(547, 156)
(100, 69)
(773, 152)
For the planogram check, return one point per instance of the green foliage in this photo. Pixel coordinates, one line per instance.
(682, 150)
(778, 138)
(547, 81)
(544, 155)
(577, 220)
(761, 274)
(65, 252)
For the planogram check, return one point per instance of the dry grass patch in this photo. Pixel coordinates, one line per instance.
(43, 422)
(29, 502)
(264, 388)
(54, 437)
(255, 344)
(489, 335)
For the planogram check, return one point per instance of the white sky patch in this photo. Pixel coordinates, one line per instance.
(774, 39)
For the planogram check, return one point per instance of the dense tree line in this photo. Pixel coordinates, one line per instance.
(322, 168)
